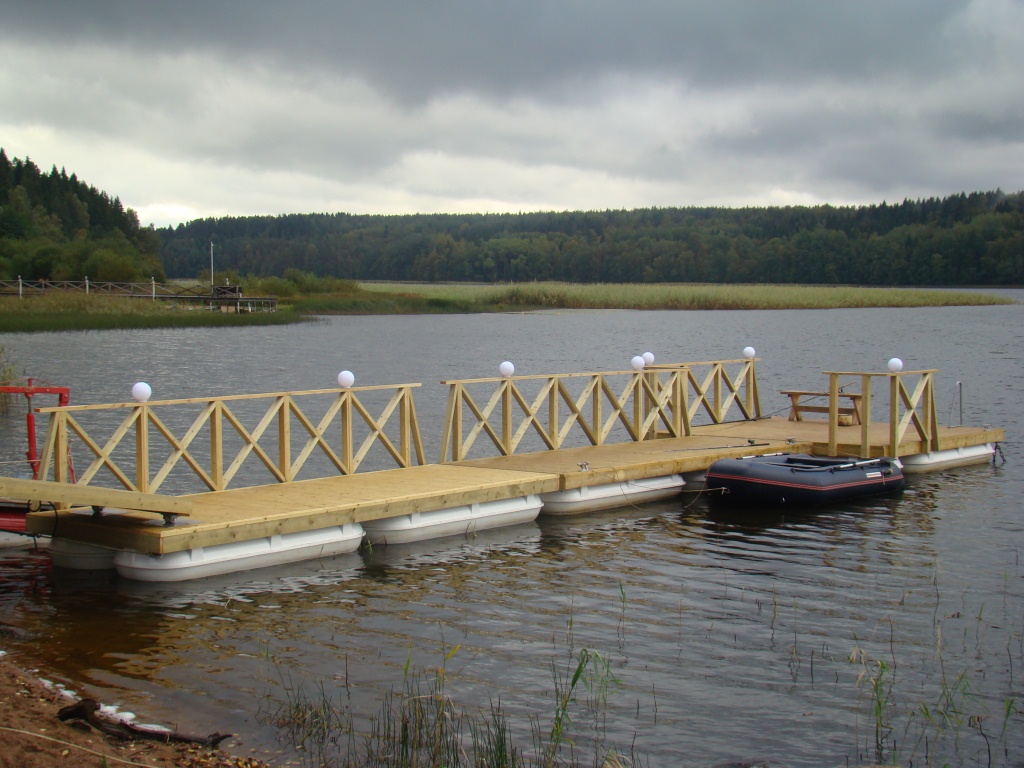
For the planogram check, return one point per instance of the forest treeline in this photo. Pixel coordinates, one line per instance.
(964, 239)
(56, 227)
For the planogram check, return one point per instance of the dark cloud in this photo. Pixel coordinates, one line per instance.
(503, 106)
(416, 49)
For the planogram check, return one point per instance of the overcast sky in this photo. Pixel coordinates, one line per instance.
(194, 109)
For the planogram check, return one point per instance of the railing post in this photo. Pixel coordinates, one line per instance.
(284, 437)
(60, 449)
(637, 386)
(506, 417)
(451, 433)
(217, 446)
(929, 413)
(597, 423)
(554, 427)
(719, 372)
(833, 414)
(87, 285)
(753, 395)
(347, 449)
(895, 387)
(404, 427)
(142, 448)
(865, 416)
(20, 295)
(152, 287)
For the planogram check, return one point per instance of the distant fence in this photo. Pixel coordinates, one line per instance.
(214, 296)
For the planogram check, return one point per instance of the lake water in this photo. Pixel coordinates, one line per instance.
(813, 639)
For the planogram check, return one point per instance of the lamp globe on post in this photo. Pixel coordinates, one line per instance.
(346, 379)
(638, 363)
(895, 365)
(749, 353)
(141, 392)
(506, 369)
(648, 358)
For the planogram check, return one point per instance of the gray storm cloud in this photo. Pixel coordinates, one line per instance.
(197, 109)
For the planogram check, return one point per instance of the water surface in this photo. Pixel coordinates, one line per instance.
(727, 637)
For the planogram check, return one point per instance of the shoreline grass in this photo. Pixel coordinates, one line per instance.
(302, 297)
(684, 296)
(81, 312)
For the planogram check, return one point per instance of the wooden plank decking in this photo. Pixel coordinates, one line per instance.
(815, 433)
(615, 463)
(222, 517)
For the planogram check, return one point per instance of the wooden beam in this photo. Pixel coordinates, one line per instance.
(70, 493)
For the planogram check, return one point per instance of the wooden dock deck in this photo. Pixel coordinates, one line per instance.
(655, 413)
(220, 517)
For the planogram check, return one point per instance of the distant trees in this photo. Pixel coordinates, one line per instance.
(964, 239)
(55, 227)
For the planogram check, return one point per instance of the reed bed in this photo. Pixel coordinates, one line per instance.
(419, 725)
(683, 296)
(944, 723)
(81, 312)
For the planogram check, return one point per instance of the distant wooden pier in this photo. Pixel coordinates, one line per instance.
(223, 298)
(502, 438)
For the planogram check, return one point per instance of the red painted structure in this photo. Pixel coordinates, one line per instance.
(12, 512)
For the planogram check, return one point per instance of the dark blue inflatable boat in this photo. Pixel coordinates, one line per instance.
(800, 479)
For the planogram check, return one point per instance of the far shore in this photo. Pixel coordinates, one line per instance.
(302, 300)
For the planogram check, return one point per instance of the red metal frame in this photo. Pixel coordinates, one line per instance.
(29, 389)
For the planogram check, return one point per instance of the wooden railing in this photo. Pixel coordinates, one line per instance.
(906, 408)
(717, 392)
(141, 451)
(652, 403)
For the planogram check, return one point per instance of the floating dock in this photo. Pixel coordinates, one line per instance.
(652, 414)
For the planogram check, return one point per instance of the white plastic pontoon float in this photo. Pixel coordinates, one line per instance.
(214, 560)
(594, 498)
(453, 521)
(949, 458)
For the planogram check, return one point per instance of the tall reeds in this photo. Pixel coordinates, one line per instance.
(419, 725)
(683, 296)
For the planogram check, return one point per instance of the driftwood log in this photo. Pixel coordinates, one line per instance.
(87, 711)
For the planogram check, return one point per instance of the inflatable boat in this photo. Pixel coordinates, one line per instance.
(800, 479)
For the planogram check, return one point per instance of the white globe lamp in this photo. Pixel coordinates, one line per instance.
(506, 369)
(141, 392)
(346, 379)
(749, 353)
(648, 358)
(638, 363)
(895, 365)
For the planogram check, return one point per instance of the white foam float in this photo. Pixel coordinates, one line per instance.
(79, 556)
(948, 458)
(453, 521)
(240, 555)
(593, 498)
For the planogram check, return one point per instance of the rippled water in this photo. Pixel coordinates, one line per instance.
(728, 637)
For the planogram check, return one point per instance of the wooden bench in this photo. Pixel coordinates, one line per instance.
(799, 405)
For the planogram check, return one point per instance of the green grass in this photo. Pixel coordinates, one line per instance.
(301, 296)
(682, 296)
(81, 312)
(419, 725)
